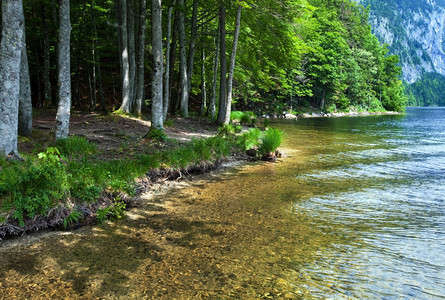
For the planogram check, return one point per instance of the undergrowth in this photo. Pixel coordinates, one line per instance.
(71, 173)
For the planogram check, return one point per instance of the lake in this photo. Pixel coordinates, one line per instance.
(355, 211)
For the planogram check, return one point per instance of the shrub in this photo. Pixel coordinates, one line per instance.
(266, 122)
(156, 134)
(270, 141)
(236, 115)
(71, 219)
(250, 139)
(75, 146)
(168, 123)
(226, 130)
(245, 119)
(238, 128)
(38, 187)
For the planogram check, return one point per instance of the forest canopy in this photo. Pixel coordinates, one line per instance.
(206, 57)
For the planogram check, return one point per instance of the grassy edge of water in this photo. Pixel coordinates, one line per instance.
(67, 186)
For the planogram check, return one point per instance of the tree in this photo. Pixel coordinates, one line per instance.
(141, 57)
(11, 50)
(232, 65)
(123, 29)
(156, 105)
(64, 108)
(223, 69)
(183, 79)
(25, 102)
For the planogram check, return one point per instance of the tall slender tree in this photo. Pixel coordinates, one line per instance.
(64, 63)
(140, 59)
(223, 70)
(156, 89)
(183, 79)
(232, 65)
(25, 102)
(123, 27)
(167, 61)
(11, 52)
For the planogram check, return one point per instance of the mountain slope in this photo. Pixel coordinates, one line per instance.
(413, 29)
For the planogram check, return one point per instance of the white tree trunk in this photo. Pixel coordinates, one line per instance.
(11, 52)
(192, 46)
(223, 70)
(167, 61)
(126, 104)
(131, 51)
(183, 80)
(64, 109)
(141, 56)
(212, 104)
(47, 97)
(232, 65)
(156, 89)
(203, 83)
(25, 102)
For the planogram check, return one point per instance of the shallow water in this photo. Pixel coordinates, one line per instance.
(356, 210)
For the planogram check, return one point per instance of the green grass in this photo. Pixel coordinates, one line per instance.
(270, 140)
(72, 174)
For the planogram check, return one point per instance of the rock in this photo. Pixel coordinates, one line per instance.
(290, 116)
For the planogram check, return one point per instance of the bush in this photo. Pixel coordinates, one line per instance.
(266, 122)
(245, 119)
(250, 139)
(75, 146)
(236, 115)
(270, 141)
(34, 188)
(226, 130)
(156, 134)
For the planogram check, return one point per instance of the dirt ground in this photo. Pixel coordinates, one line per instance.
(116, 136)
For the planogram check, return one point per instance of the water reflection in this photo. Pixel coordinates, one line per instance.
(356, 210)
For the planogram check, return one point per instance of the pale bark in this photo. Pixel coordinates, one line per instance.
(167, 62)
(96, 53)
(126, 103)
(223, 70)
(64, 108)
(203, 83)
(192, 46)
(47, 97)
(212, 104)
(232, 64)
(156, 94)
(131, 51)
(25, 102)
(140, 62)
(183, 62)
(11, 52)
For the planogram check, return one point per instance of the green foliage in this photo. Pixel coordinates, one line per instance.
(168, 123)
(72, 219)
(157, 134)
(250, 139)
(245, 119)
(237, 128)
(226, 130)
(266, 123)
(428, 91)
(75, 146)
(34, 187)
(114, 212)
(270, 140)
(236, 115)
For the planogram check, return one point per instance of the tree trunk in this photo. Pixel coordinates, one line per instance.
(232, 65)
(126, 104)
(192, 46)
(97, 59)
(47, 97)
(223, 70)
(212, 104)
(25, 102)
(64, 109)
(141, 56)
(183, 62)
(11, 50)
(203, 83)
(167, 61)
(156, 90)
(131, 51)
